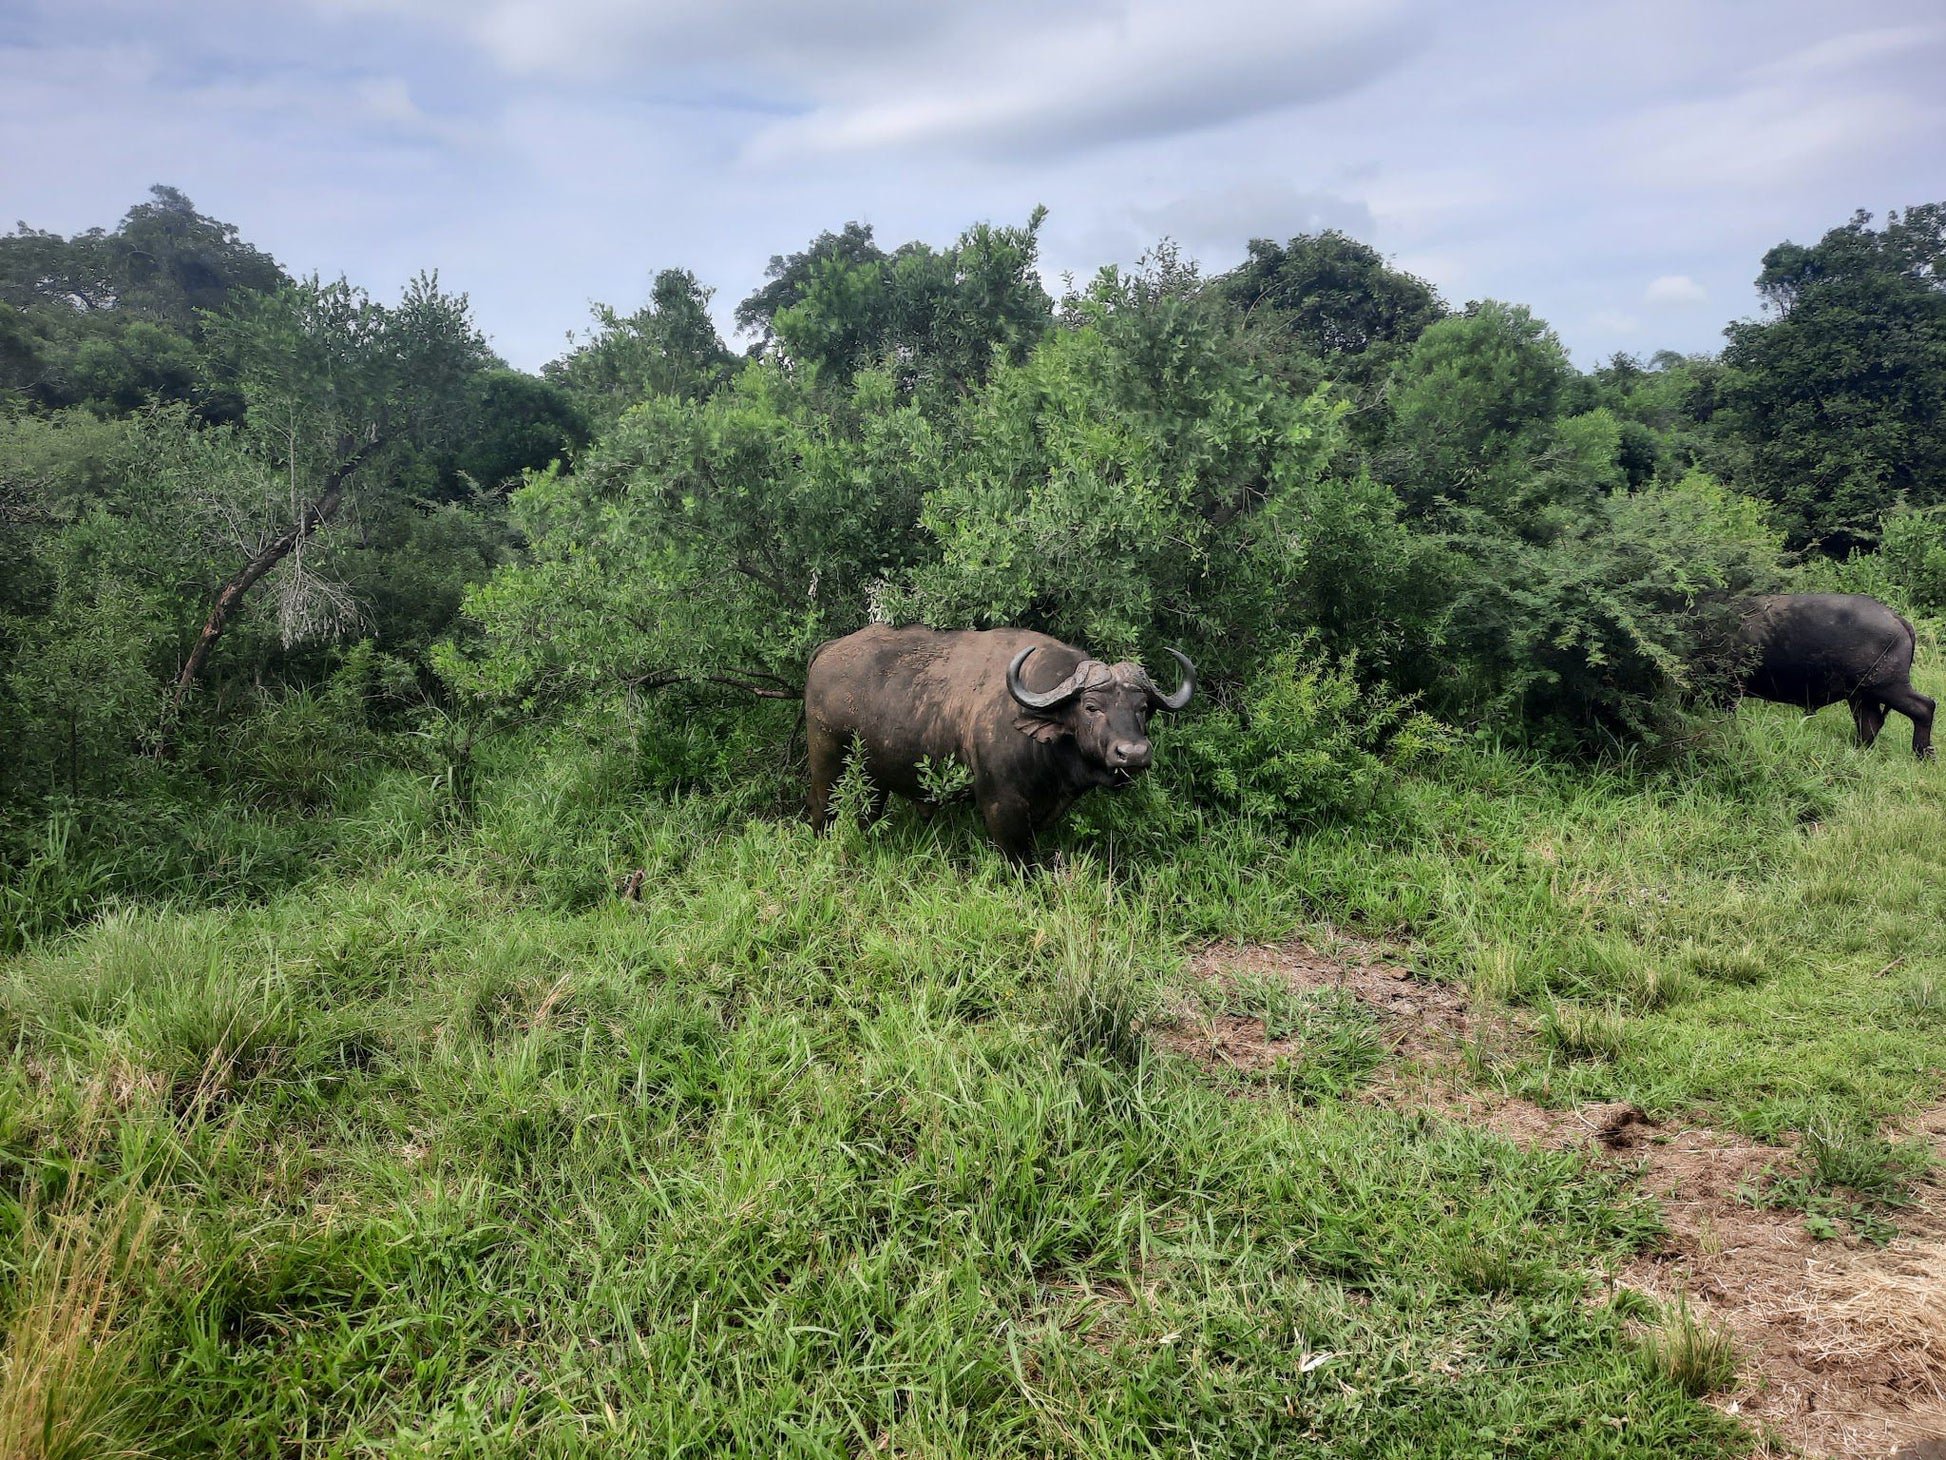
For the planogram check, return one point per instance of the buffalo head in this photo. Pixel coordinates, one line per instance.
(1105, 707)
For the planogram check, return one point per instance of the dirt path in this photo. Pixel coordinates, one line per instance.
(1841, 1345)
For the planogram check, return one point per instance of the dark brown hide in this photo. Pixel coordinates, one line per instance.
(1815, 649)
(906, 696)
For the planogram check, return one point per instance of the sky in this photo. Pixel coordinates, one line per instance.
(1620, 166)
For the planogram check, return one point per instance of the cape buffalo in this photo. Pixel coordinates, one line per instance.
(1037, 723)
(1814, 649)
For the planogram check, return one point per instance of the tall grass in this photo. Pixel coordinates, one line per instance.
(859, 1145)
(1697, 1355)
(78, 1321)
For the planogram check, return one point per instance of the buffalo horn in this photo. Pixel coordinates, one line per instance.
(1183, 691)
(1043, 699)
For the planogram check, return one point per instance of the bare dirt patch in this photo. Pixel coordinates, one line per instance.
(1419, 1018)
(1842, 1346)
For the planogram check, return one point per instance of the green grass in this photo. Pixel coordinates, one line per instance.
(1697, 1356)
(857, 1145)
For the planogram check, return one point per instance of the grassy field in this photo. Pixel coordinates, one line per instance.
(855, 1146)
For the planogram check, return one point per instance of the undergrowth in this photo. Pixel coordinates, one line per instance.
(432, 1144)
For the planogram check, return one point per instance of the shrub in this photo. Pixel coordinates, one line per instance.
(1909, 568)
(1307, 743)
(1600, 633)
(1137, 482)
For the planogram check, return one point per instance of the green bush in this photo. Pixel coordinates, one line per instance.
(1305, 744)
(1909, 568)
(1135, 482)
(1603, 635)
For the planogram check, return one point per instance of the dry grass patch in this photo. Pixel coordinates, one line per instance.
(73, 1336)
(1884, 1312)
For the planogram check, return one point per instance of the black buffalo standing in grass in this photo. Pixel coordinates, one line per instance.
(1035, 722)
(1814, 649)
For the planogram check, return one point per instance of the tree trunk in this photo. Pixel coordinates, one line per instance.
(315, 514)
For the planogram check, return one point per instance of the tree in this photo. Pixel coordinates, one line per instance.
(1135, 482)
(667, 347)
(1599, 635)
(711, 541)
(936, 318)
(174, 264)
(520, 424)
(1474, 404)
(790, 276)
(1834, 407)
(113, 320)
(104, 525)
(342, 393)
(1330, 296)
(1664, 407)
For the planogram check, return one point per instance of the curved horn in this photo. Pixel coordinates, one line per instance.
(1183, 691)
(1044, 699)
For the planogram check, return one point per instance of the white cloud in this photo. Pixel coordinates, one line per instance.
(606, 39)
(1223, 219)
(1006, 77)
(1420, 200)
(1808, 114)
(1765, 138)
(1852, 51)
(543, 153)
(1150, 68)
(1674, 290)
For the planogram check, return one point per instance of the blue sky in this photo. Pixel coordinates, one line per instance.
(1620, 167)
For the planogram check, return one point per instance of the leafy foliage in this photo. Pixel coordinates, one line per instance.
(1331, 295)
(936, 319)
(1476, 406)
(1909, 568)
(1134, 483)
(1356, 511)
(667, 347)
(1834, 408)
(1306, 743)
(723, 537)
(1600, 633)
(112, 321)
(1326, 309)
(512, 967)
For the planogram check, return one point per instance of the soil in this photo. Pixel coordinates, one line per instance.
(1841, 1345)
(1421, 1020)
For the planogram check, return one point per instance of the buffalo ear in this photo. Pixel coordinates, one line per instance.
(1044, 728)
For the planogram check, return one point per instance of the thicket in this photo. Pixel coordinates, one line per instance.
(261, 538)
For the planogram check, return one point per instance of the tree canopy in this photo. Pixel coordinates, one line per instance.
(1833, 407)
(112, 320)
(937, 318)
(222, 490)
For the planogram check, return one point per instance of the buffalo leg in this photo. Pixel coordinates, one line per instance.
(1011, 824)
(1868, 715)
(827, 756)
(1915, 707)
